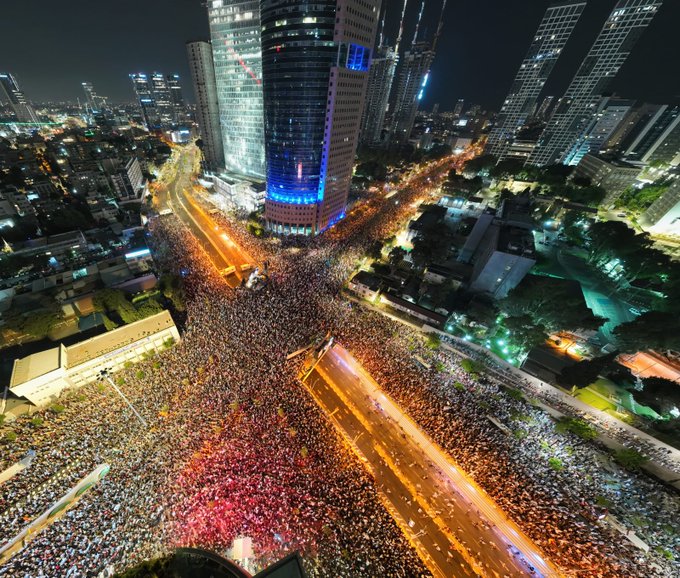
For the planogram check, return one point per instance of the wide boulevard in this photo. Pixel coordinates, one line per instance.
(455, 526)
(174, 192)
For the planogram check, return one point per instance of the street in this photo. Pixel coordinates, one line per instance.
(174, 188)
(458, 527)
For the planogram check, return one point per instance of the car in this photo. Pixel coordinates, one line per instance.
(622, 215)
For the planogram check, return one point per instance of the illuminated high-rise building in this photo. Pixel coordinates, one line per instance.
(235, 33)
(608, 116)
(93, 102)
(380, 81)
(160, 98)
(17, 100)
(174, 87)
(627, 21)
(413, 77)
(553, 32)
(658, 139)
(147, 102)
(207, 108)
(315, 60)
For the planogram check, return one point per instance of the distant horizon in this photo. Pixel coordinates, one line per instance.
(480, 50)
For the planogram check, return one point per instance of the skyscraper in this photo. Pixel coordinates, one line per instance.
(160, 98)
(617, 38)
(658, 140)
(608, 116)
(315, 60)
(208, 112)
(460, 105)
(176, 99)
(555, 29)
(235, 33)
(93, 102)
(380, 81)
(414, 74)
(22, 109)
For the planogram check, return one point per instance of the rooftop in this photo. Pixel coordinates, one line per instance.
(106, 342)
(35, 365)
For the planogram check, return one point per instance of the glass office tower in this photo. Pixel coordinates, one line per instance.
(237, 55)
(555, 29)
(572, 116)
(315, 60)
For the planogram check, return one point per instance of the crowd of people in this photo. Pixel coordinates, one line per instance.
(236, 448)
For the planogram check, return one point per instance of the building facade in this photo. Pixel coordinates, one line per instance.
(207, 108)
(42, 377)
(612, 175)
(160, 99)
(381, 77)
(623, 27)
(610, 113)
(663, 216)
(237, 55)
(315, 62)
(552, 35)
(659, 139)
(23, 111)
(412, 80)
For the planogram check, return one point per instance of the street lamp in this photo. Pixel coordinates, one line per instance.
(104, 373)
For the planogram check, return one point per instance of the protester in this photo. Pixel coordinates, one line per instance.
(236, 447)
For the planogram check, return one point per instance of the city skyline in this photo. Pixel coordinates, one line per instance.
(48, 79)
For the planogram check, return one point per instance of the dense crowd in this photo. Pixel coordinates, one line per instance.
(235, 447)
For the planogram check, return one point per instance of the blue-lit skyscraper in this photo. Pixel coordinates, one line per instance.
(235, 35)
(315, 60)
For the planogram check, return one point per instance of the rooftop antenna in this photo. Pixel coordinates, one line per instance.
(420, 17)
(439, 26)
(401, 27)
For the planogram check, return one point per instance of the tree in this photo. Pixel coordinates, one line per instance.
(375, 250)
(553, 303)
(578, 427)
(172, 288)
(586, 372)
(37, 324)
(148, 308)
(479, 165)
(524, 332)
(396, 256)
(651, 330)
(432, 245)
(662, 395)
(630, 459)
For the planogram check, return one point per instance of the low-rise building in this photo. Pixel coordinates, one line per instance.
(426, 315)
(504, 257)
(42, 377)
(663, 216)
(365, 284)
(237, 192)
(614, 176)
(128, 181)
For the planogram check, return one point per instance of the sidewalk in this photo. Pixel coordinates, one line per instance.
(534, 386)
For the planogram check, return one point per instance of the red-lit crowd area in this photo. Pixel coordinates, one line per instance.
(235, 447)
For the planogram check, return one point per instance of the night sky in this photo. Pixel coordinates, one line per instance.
(53, 47)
